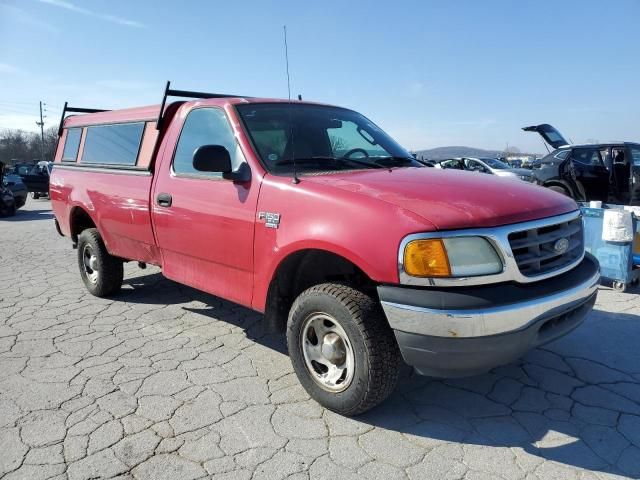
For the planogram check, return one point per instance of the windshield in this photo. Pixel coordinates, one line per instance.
(495, 163)
(319, 138)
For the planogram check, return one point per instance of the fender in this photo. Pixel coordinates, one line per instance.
(263, 283)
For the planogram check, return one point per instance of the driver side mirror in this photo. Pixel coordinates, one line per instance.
(216, 159)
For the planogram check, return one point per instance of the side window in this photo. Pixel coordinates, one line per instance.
(635, 154)
(456, 164)
(475, 166)
(116, 144)
(71, 145)
(562, 154)
(205, 126)
(587, 156)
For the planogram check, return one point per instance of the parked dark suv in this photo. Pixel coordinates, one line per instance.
(599, 171)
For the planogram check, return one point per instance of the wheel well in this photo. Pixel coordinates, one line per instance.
(80, 220)
(304, 269)
(558, 183)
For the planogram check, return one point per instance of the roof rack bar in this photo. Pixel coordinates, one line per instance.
(189, 94)
(168, 92)
(67, 109)
(164, 100)
(85, 110)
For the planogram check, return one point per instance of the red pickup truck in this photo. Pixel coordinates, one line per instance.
(313, 215)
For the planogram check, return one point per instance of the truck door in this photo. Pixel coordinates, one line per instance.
(204, 224)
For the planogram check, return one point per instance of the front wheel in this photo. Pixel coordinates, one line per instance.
(562, 190)
(101, 272)
(342, 348)
(620, 286)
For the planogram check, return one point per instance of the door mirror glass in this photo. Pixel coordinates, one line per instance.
(212, 158)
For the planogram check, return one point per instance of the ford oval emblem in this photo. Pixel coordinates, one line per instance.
(561, 245)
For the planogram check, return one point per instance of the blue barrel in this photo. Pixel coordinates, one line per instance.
(616, 258)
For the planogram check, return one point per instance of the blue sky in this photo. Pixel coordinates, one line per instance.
(431, 73)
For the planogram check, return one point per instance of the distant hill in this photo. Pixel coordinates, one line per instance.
(441, 153)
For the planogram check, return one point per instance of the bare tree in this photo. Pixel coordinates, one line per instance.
(18, 146)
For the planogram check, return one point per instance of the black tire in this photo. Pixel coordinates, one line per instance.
(374, 347)
(35, 195)
(620, 286)
(107, 277)
(7, 210)
(558, 189)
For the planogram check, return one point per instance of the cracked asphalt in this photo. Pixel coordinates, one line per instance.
(164, 381)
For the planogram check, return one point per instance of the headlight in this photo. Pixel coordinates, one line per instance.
(526, 178)
(451, 257)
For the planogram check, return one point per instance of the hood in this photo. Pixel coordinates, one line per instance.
(452, 199)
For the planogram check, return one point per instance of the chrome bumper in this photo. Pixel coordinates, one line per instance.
(488, 321)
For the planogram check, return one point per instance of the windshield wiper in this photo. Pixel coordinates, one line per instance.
(392, 161)
(342, 161)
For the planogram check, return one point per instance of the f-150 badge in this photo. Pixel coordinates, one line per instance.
(271, 220)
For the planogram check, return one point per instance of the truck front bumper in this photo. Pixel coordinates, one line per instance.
(465, 331)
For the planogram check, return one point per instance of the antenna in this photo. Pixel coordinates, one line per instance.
(293, 149)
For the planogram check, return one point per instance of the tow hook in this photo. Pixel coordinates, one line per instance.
(142, 265)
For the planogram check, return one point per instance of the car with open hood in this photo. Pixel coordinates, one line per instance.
(314, 216)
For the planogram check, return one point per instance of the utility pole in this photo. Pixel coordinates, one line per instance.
(41, 125)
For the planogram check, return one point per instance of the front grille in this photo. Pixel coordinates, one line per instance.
(534, 250)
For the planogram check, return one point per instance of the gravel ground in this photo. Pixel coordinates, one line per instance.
(167, 382)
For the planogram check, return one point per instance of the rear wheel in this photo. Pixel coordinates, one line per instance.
(342, 348)
(101, 272)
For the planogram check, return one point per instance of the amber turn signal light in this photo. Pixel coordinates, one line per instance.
(426, 258)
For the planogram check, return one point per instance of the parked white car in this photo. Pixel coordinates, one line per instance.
(486, 165)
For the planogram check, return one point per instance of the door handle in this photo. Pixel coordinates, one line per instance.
(164, 199)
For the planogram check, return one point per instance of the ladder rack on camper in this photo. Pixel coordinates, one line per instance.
(168, 92)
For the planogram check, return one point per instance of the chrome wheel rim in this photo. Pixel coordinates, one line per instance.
(90, 262)
(328, 353)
